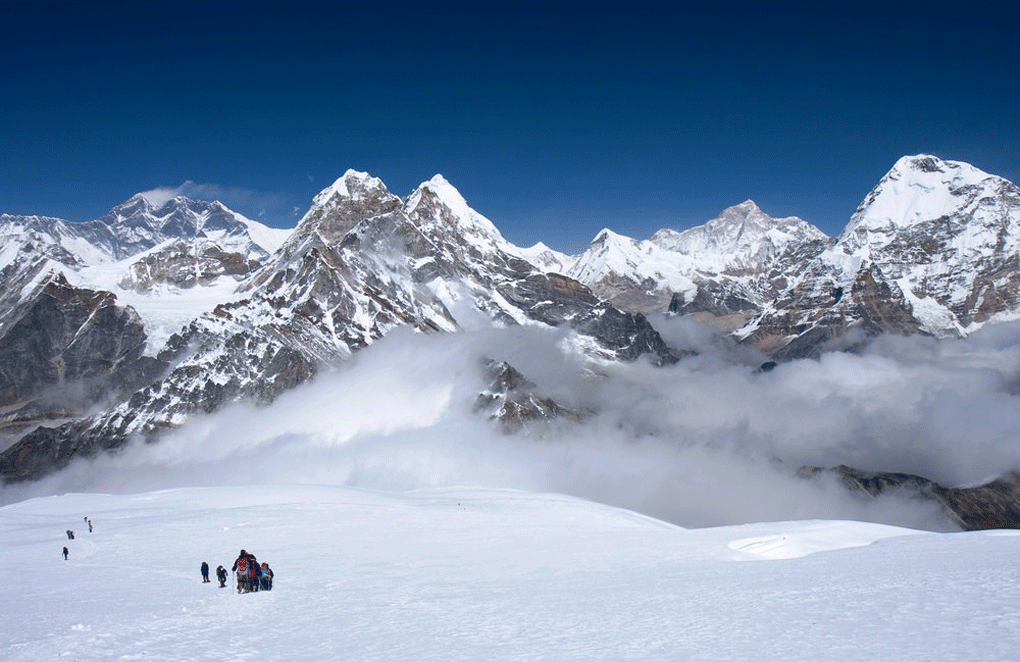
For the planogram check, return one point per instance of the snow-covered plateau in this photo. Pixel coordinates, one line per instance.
(482, 574)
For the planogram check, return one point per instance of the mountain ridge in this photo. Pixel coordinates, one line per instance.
(249, 323)
(359, 264)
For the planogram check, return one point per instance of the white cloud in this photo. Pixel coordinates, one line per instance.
(708, 441)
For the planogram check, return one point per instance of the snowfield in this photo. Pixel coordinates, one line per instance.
(482, 574)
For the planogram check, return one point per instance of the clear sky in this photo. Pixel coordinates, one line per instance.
(554, 123)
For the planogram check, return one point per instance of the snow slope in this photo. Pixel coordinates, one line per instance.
(468, 574)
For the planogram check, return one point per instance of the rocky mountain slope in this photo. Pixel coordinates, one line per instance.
(67, 341)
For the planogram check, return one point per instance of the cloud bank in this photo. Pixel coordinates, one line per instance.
(708, 441)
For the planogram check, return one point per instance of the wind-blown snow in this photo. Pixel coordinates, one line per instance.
(468, 574)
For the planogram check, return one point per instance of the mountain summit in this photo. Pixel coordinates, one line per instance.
(932, 249)
(731, 265)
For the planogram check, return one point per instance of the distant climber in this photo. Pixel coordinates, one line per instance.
(205, 572)
(221, 574)
(65, 553)
(267, 577)
(89, 522)
(70, 534)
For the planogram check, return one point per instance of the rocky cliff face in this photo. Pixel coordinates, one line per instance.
(65, 349)
(512, 401)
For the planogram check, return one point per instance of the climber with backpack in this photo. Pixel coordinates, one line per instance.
(241, 567)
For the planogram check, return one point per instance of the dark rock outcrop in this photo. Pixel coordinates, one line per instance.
(993, 505)
(511, 400)
(183, 264)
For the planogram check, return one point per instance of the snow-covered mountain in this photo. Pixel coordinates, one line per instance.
(546, 258)
(932, 249)
(741, 239)
(68, 342)
(131, 325)
(361, 263)
(729, 267)
(178, 256)
(134, 228)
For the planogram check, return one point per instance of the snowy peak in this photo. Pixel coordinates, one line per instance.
(353, 185)
(931, 249)
(733, 263)
(740, 234)
(439, 210)
(352, 198)
(441, 191)
(633, 275)
(916, 190)
(547, 259)
(140, 206)
(607, 239)
(748, 210)
(610, 253)
(138, 225)
(133, 206)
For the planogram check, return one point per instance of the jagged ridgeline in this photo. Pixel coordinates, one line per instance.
(360, 263)
(127, 326)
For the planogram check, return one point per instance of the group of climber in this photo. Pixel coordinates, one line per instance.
(251, 576)
(70, 536)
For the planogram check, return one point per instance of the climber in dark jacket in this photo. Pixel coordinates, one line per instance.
(267, 577)
(256, 572)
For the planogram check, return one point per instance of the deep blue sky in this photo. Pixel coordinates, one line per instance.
(553, 123)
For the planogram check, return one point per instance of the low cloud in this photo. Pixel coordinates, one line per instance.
(705, 442)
